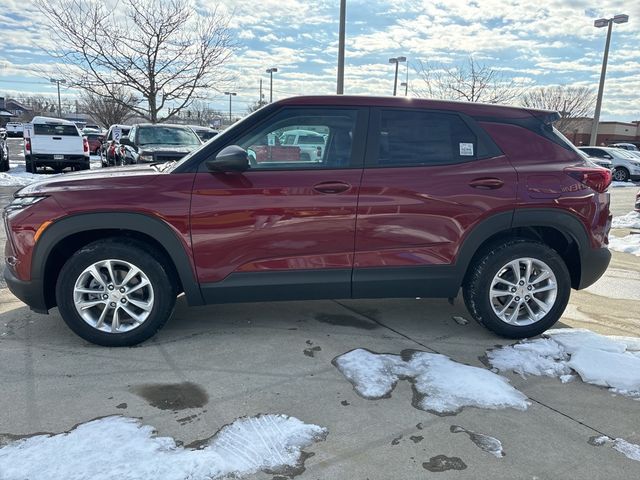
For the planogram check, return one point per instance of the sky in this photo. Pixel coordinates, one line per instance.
(536, 42)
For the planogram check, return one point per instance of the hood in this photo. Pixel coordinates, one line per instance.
(161, 148)
(115, 177)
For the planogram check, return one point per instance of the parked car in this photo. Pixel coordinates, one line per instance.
(601, 162)
(311, 143)
(112, 153)
(204, 133)
(148, 143)
(14, 129)
(626, 165)
(95, 140)
(625, 146)
(93, 126)
(412, 198)
(57, 144)
(4, 151)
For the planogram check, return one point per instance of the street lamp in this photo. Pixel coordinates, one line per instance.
(603, 22)
(58, 82)
(396, 60)
(271, 71)
(231, 94)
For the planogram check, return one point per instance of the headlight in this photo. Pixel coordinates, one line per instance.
(19, 203)
(145, 158)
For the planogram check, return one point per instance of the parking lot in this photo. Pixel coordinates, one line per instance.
(212, 365)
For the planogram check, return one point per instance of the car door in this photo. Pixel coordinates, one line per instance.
(429, 178)
(285, 228)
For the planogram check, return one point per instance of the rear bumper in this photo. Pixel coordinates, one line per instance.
(49, 161)
(30, 292)
(594, 263)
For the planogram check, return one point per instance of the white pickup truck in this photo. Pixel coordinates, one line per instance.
(14, 129)
(54, 143)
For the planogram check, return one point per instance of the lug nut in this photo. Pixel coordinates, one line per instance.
(110, 287)
(526, 297)
(521, 282)
(529, 287)
(121, 289)
(113, 304)
(513, 289)
(105, 296)
(517, 299)
(123, 300)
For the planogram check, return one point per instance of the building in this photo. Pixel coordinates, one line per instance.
(579, 132)
(5, 115)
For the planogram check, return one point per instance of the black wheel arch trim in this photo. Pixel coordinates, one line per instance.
(135, 222)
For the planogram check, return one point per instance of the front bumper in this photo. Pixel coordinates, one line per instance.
(594, 263)
(30, 292)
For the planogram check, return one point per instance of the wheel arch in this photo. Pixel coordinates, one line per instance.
(64, 237)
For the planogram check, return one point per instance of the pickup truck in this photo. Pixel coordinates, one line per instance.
(14, 129)
(55, 143)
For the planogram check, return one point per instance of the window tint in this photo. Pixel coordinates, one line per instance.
(281, 142)
(424, 138)
(55, 130)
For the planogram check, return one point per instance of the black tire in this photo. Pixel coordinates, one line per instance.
(482, 271)
(621, 174)
(29, 165)
(160, 274)
(4, 164)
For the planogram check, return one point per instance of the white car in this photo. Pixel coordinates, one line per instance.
(14, 129)
(55, 143)
(311, 144)
(626, 165)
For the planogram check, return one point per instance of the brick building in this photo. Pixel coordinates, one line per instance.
(579, 132)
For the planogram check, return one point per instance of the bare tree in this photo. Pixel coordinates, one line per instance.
(162, 50)
(109, 109)
(472, 82)
(570, 102)
(257, 105)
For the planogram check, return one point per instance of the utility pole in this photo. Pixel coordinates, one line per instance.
(603, 22)
(343, 14)
(58, 82)
(260, 97)
(231, 94)
(271, 71)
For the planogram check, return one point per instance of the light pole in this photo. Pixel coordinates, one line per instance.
(271, 71)
(343, 12)
(231, 94)
(58, 82)
(603, 22)
(396, 60)
(406, 88)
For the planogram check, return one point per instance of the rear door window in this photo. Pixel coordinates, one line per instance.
(418, 137)
(55, 130)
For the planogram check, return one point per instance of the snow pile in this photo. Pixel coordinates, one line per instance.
(629, 244)
(629, 450)
(440, 385)
(612, 362)
(17, 178)
(630, 220)
(123, 449)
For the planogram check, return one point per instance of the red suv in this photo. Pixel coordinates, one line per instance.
(411, 198)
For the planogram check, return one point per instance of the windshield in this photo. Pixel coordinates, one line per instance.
(167, 136)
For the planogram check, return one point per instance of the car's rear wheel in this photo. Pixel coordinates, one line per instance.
(116, 292)
(518, 289)
(621, 174)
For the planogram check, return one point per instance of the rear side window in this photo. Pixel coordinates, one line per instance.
(413, 137)
(55, 130)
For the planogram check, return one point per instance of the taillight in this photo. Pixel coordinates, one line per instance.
(27, 144)
(596, 178)
(85, 144)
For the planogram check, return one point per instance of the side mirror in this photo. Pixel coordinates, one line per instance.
(230, 159)
(126, 141)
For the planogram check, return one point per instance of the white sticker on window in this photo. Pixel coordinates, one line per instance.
(466, 149)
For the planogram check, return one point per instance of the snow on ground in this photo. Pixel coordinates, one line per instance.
(630, 220)
(18, 177)
(607, 361)
(485, 442)
(623, 184)
(629, 450)
(122, 448)
(629, 244)
(440, 384)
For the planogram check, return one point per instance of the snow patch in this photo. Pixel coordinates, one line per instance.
(17, 178)
(629, 244)
(440, 385)
(122, 448)
(485, 442)
(630, 220)
(607, 361)
(628, 449)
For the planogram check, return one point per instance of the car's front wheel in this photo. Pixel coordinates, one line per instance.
(116, 292)
(621, 174)
(518, 289)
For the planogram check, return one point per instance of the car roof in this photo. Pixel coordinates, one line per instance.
(470, 108)
(52, 120)
(201, 127)
(119, 125)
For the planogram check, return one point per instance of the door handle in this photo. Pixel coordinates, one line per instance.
(57, 138)
(331, 187)
(486, 183)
